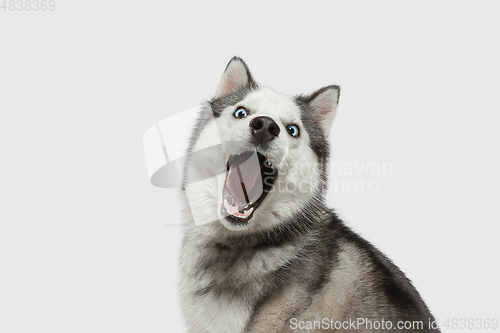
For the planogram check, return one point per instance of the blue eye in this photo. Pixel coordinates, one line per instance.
(293, 130)
(240, 113)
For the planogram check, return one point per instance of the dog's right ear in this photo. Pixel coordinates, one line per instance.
(235, 77)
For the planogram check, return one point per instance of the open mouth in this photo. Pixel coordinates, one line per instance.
(249, 179)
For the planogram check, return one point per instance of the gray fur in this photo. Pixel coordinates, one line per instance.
(309, 266)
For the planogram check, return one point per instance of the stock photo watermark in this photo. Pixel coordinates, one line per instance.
(358, 177)
(347, 177)
(166, 152)
(28, 5)
(382, 324)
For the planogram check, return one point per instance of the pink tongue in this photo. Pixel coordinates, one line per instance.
(247, 181)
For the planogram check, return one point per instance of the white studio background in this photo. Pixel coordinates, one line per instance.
(83, 241)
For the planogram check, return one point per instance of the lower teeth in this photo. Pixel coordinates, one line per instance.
(245, 212)
(248, 212)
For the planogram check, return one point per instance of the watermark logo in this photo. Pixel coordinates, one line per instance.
(166, 147)
(358, 177)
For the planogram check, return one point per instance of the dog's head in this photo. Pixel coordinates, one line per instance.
(271, 156)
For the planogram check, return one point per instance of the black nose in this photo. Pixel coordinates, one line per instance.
(264, 129)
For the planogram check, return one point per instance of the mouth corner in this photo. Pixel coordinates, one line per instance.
(249, 178)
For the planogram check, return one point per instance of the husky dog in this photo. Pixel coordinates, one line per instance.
(262, 252)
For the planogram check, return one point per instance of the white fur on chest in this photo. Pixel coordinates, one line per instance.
(215, 315)
(224, 312)
(207, 312)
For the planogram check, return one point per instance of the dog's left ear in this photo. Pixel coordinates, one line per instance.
(324, 103)
(236, 76)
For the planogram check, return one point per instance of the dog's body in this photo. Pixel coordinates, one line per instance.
(273, 258)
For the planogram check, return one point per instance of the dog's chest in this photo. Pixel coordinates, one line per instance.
(221, 287)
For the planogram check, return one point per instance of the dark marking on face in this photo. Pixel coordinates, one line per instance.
(318, 142)
(218, 104)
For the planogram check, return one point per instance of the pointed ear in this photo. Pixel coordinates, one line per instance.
(236, 76)
(324, 103)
